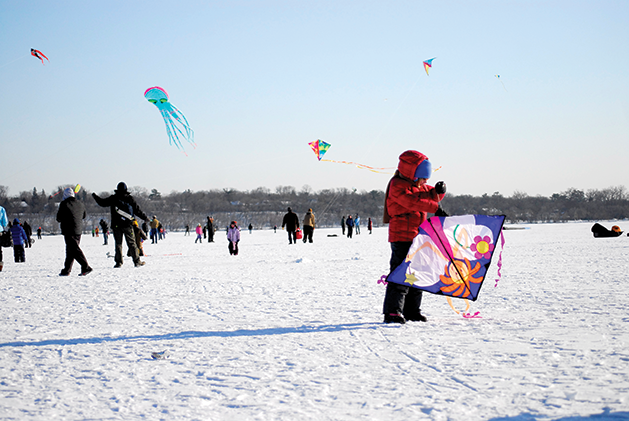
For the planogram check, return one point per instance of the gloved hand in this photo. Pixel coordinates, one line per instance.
(440, 187)
(441, 212)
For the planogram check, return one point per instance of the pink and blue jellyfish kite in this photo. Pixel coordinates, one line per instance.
(177, 126)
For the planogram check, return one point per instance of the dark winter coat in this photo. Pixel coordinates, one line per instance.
(70, 216)
(121, 203)
(290, 221)
(407, 204)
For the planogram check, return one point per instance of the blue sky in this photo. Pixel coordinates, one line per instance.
(258, 80)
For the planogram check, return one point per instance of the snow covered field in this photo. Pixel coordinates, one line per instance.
(295, 333)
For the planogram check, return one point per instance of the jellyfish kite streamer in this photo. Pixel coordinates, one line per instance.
(177, 126)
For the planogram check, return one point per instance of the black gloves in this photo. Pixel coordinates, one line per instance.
(441, 212)
(440, 187)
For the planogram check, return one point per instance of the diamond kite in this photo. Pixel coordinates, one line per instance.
(319, 147)
(451, 255)
(177, 126)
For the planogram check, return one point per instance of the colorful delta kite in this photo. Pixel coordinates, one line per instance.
(319, 147)
(451, 255)
(428, 64)
(177, 126)
(39, 55)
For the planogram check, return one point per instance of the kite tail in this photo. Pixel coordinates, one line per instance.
(178, 115)
(499, 264)
(173, 138)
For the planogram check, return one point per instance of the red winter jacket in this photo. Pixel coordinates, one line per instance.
(407, 204)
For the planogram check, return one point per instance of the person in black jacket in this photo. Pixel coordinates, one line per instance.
(123, 210)
(70, 216)
(291, 222)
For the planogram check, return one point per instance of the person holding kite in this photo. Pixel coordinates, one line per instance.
(408, 199)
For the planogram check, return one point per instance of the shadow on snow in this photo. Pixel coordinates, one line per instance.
(197, 334)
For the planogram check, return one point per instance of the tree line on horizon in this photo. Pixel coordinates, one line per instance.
(264, 208)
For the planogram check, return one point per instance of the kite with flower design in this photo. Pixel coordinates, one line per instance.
(450, 256)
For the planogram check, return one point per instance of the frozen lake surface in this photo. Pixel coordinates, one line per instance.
(295, 333)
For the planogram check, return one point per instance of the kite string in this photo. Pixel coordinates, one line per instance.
(368, 150)
(13, 61)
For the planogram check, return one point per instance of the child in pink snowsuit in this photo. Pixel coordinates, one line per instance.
(199, 234)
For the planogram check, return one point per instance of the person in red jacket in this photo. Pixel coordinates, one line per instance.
(408, 200)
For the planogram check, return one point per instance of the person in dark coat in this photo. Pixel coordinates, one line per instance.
(343, 224)
(70, 216)
(105, 228)
(350, 226)
(29, 232)
(123, 210)
(210, 229)
(408, 199)
(291, 222)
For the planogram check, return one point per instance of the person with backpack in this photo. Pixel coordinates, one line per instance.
(123, 211)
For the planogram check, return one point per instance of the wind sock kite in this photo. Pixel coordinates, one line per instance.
(428, 64)
(37, 53)
(177, 126)
(319, 147)
(450, 256)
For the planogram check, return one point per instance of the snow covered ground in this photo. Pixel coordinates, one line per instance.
(295, 333)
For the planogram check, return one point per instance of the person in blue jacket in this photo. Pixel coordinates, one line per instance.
(19, 239)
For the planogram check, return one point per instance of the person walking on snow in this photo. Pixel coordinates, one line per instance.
(19, 239)
(4, 222)
(291, 222)
(70, 216)
(408, 199)
(233, 236)
(350, 226)
(309, 225)
(123, 210)
(199, 231)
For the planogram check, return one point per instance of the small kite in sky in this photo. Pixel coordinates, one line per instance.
(428, 64)
(177, 126)
(39, 55)
(451, 255)
(320, 147)
(503, 85)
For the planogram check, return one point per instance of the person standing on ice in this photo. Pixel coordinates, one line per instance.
(209, 226)
(70, 216)
(309, 225)
(199, 232)
(343, 224)
(19, 239)
(233, 236)
(408, 199)
(291, 222)
(123, 210)
(4, 222)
